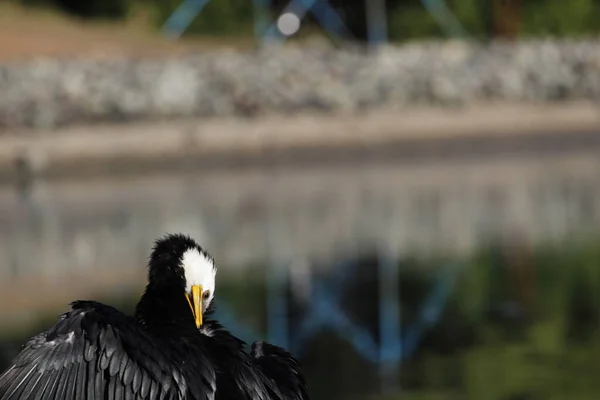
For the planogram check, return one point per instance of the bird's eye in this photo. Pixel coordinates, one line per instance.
(205, 295)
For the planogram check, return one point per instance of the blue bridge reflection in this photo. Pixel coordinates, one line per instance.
(324, 311)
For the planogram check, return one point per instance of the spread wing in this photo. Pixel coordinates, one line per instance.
(237, 377)
(282, 369)
(96, 352)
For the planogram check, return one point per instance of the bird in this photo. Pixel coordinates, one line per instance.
(169, 349)
(95, 351)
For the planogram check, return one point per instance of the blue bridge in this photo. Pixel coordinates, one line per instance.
(324, 13)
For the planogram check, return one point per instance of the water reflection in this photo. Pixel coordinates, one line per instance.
(262, 214)
(502, 323)
(318, 260)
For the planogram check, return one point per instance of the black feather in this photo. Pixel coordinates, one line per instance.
(61, 385)
(111, 389)
(282, 369)
(137, 380)
(79, 389)
(145, 389)
(64, 362)
(119, 392)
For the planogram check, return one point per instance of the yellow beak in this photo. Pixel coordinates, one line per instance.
(196, 303)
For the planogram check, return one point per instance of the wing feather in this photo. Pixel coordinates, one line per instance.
(50, 388)
(137, 380)
(81, 381)
(237, 378)
(282, 370)
(62, 384)
(129, 393)
(111, 390)
(90, 384)
(43, 385)
(72, 379)
(96, 352)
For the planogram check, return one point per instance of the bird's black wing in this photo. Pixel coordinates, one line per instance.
(95, 352)
(237, 378)
(282, 369)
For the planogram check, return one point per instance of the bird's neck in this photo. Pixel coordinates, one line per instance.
(165, 310)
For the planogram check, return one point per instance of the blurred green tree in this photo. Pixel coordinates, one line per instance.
(219, 17)
(561, 18)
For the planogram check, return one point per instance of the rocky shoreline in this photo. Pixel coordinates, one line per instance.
(51, 93)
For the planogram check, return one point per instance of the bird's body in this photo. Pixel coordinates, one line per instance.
(167, 350)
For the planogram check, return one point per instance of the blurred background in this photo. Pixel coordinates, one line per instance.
(404, 193)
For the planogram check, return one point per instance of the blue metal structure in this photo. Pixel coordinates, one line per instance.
(182, 17)
(325, 14)
(329, 19)
(388, 351)
(261, 17)
(376, 22)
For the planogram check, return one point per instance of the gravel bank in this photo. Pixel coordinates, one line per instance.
(48, 93)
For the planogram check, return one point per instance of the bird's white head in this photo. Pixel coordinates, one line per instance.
(199, 271)
(177, 261)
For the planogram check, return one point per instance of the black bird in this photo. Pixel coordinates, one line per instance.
(96, 352)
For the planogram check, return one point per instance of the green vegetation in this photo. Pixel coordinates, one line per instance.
(223, 17)
(525, 326)
(408, 19)
(556, 17)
